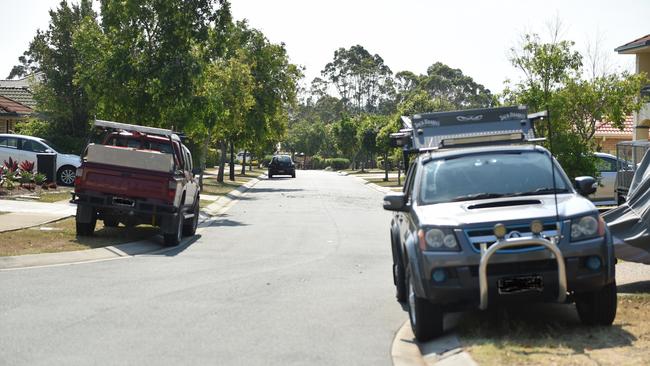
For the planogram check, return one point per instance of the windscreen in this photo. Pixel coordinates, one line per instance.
(489, 176)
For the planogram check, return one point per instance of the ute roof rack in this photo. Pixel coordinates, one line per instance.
(474, 127)
(118, 126)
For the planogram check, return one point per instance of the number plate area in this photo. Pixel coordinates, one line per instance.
(513, 285)
(123, 201)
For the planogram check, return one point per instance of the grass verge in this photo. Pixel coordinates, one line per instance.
(390, 183)
(553, 335)
(60, 236)
(211, 186)
(55, 197)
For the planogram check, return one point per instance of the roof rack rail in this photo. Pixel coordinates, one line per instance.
(137, 128)
(475, 127)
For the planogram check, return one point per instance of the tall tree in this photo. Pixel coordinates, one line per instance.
(59, 97)
(360, 78)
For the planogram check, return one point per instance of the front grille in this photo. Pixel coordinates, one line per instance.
(516, 268)
(477, 236)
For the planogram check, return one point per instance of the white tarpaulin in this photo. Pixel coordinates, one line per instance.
(630, 222)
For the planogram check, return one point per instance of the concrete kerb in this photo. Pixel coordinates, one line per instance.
(39, 223)
(445, 350)
(122, 251)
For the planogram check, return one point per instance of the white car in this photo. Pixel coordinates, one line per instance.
(21, 148)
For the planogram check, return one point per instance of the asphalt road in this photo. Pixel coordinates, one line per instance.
(297, 272)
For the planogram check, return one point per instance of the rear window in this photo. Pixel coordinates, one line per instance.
(283, 159)
(136, 143)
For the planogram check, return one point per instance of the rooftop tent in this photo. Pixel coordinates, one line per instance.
(427, 131)
(629, 223)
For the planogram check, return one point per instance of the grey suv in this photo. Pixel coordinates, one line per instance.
(480, 225)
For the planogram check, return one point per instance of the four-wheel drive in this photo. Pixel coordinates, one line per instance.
(137, 175)
(487, 217)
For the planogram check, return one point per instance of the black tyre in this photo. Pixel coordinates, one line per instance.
(65, 176)
(399, 274)
(270, 175)
(173, 239)
(189, 227)
(293, 175)
(86, 228)
(111, 222)
(425, 317)
(598, 307)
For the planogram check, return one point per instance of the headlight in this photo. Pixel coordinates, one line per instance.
(587, 227)
(437, 239)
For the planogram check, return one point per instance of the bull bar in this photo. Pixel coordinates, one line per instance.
(502, 243)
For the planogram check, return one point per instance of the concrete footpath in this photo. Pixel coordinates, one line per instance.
(24, 214)
(58, 211)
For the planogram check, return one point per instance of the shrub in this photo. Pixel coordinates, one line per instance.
(11, 165)
(212, 159)
(40, 178)
(267, 160)
(27, 166)
(318, 162)
(338, 163)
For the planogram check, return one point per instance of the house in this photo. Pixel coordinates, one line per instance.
(16, 101)
(607, 136)
(641, 49)
(12, 112)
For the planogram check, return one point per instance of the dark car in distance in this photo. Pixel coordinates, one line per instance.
(282, 165)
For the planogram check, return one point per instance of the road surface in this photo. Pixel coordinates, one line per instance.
(297, 272)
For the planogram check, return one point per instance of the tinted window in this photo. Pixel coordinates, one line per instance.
(445, 180)
(34, 146)
(9, 142)
(283, 159)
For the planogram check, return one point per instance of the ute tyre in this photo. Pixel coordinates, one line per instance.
(189, 227)
(425, 317)
(400, 282)
(598, 307)
(173, 239)
(86, 228)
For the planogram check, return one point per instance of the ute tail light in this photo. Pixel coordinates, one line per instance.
(171, 191)
(78, 176)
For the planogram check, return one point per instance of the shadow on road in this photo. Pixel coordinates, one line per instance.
(225, 222)
(180, 248)
(273, 190)
(641, 287)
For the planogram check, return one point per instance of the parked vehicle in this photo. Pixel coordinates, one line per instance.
(138, 175)
(607, 166)
(282, 165)
(20, 148)
(486, 217)
(629, 155)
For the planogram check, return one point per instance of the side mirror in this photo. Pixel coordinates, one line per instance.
(395, 201)
(49, 151)
(197, 171)
(585, 185)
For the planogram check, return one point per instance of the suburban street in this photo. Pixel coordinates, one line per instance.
(296, 272)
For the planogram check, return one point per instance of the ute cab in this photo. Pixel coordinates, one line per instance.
(488, 217)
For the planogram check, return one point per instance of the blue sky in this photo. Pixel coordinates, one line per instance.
(474, 36)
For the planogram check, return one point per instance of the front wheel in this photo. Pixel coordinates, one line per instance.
(598, 307)
(425, 317)
(189, 227)
(174, 238)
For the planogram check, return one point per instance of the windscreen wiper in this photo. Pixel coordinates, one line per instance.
(477, 196)
(544, 190)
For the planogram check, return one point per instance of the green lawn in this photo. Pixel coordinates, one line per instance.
(211, 186)
(55, 197)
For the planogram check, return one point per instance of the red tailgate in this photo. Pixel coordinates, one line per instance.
(120, 181)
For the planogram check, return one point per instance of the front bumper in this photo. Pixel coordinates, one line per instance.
(470, 281)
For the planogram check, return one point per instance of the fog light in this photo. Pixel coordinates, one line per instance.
(500, 231)
(439, 275)
(593, 263)
(536, 227)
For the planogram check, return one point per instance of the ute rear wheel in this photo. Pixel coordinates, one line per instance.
(425, 317)
(86, 228)
(598, 307)
(174, 238)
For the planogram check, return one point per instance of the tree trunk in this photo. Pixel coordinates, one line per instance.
(243, 164)
(250, 163)
(232, 161)
(222, 161)
(385, 166)
(204, 157)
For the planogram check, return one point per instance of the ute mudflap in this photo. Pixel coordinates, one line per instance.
(125, 182)
(502, 243)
